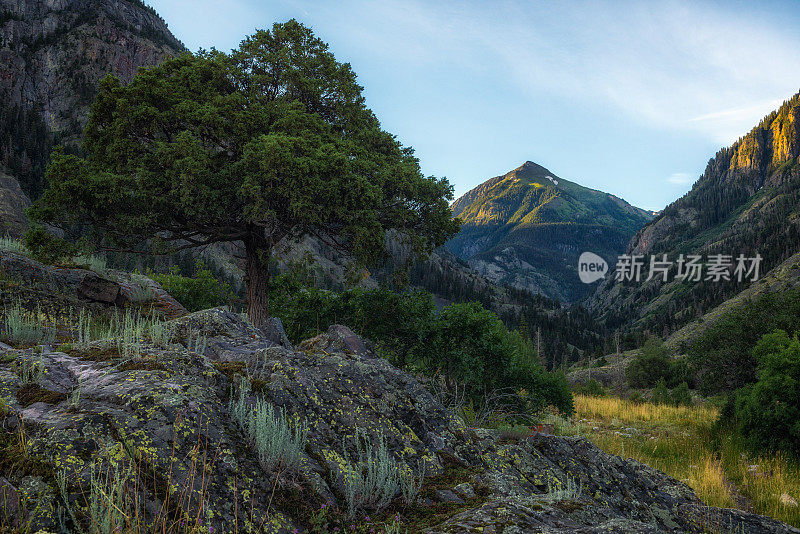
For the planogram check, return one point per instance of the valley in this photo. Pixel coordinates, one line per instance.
(232, 301)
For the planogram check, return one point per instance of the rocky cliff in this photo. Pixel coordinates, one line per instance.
(52, 55)
(93, 436)
(746, 202)
(13, 203)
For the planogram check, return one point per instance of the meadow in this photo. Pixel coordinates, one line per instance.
(682, 442)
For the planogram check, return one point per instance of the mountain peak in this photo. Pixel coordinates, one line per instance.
(532, 166)
(526, 228)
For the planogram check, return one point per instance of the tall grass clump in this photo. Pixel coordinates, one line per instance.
(375, 477)
(13, 245)
(568, 490)
(278, 441)
(25, 326)
(30, 371)
(108, 499)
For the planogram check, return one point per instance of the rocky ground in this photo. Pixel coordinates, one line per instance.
(84, 426)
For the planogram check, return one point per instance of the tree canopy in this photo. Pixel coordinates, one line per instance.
(271, 141)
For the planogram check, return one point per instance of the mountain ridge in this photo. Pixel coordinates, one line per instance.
(745, 202)
(52, 55)
(526, 228)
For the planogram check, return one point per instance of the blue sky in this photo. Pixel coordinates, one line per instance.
(632, 98)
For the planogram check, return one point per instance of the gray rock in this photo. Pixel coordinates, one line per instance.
(273, 331)
(448, 496)
(465, 491)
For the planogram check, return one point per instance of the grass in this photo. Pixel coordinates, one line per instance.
(774, 476)
(679, 441)
(27, 327)
(375, 477)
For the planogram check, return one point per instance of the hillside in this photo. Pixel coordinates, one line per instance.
(746, 202)
(52, 55)
(527, 228)
(150, 432)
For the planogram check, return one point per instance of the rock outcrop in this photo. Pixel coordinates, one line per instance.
(53, 53)
(13, 203)
(60, 288)
(157, 429)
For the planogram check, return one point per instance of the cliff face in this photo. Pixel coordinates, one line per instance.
(52, 54)
(746, 202)
(528, 227)
(13, 203)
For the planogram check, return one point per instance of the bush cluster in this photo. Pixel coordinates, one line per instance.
(654, 363)
(766, 413)
(722, 356)
(464, 343)
(198, 292)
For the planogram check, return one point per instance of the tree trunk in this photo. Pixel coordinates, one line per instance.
(257, 251)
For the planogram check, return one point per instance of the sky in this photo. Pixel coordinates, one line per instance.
(631, 98)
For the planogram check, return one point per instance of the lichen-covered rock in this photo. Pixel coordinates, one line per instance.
(25, 280)
(162, 422)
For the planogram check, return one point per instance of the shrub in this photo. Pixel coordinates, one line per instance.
(680, 396)
(661, 393)
(47, 248)
(722, 356)
(592, 387)
(375, 477)
(650, 365)
(767, 413)
(278, 442)
(654, 363)
(198, 292)
(465, 343)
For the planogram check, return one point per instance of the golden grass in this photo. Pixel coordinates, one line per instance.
(678, 441)
(773, 477)
(645, 412)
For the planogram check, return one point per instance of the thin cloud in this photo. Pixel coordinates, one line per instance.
(680, 178)
(669, 65)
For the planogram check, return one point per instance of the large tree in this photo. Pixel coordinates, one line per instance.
(271, 141)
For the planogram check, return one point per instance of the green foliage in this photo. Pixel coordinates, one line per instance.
(199, 292)
(767, 413)
(722, 356)
(592, 388)
(661, 393)
(47, 248)
(395, 321)
(465, 343)
(653, 363)
(272, 140)
(680, 396)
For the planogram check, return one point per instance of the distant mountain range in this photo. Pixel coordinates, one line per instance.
(746, 202)
(528, 227)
